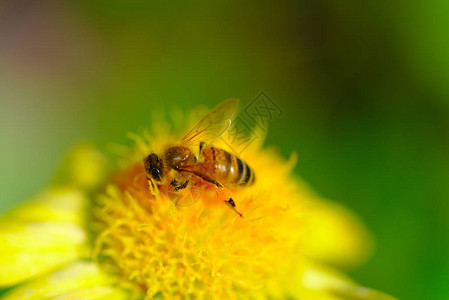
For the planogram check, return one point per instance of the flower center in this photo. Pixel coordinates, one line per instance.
(202, 248)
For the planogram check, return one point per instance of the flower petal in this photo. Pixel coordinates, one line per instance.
(335, 235)
(80, 280)
(83, 167)
(55, 204)
(324, 283)
(29, 249)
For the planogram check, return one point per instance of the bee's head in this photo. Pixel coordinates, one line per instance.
(154, 167)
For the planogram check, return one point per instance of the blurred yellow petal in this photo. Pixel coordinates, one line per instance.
(29, 249)
(56, 204)
(321, 283)
(42, 234)
(335, 235)
(80, 280)
(84, 167)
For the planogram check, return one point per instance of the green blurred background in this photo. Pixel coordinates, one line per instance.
(363, 85)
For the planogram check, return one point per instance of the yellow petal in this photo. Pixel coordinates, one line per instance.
(57, 204)
(42, 234)
(335, 235)
(83, 167)
(33, 248)
(321, 283)
(80, 280)
(338, 286)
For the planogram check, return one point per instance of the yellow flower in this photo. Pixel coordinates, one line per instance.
(90, 238)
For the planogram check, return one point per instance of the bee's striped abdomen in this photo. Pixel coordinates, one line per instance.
(245, 175)
(228, 168)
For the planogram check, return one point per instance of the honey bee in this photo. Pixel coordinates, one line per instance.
(213, 166)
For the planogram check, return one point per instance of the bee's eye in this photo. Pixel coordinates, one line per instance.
(155, 173)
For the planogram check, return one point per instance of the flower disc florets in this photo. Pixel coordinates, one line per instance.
(205, 249)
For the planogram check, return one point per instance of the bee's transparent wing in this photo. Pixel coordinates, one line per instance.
(214, 124)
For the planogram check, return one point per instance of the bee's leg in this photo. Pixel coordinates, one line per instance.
(224, 194)
(178, 186)
(231, 204)
(182, 186)
(207, 179)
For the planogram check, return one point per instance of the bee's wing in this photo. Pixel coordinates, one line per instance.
(214, 124)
